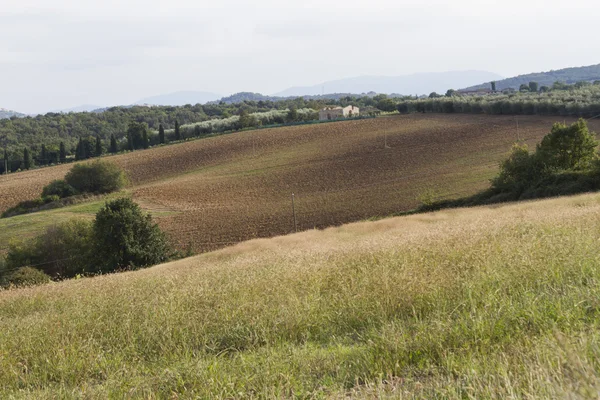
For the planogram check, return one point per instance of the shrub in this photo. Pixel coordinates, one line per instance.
(25, 276)
(568, 147)
(126, 238)
(96, 177)
(518, 170)
(59, 188)
(62, 251)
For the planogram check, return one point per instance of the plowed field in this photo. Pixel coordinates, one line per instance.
(239, 186)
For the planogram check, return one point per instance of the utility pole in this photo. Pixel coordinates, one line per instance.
(294, 212)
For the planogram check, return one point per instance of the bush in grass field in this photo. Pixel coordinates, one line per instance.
(127, 238)
(59, 188)
(24, 276)
(62, 251)
(96, 177)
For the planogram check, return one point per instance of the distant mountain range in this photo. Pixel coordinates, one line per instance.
(566, 75)
(422, 83)
(180, 98)
(4, 113)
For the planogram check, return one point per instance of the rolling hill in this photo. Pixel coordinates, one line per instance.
(566, 75)
(422, 83)
(498, 302)
(225, 189)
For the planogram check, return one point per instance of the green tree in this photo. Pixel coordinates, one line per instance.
(161, 134)
(524, 88)
(450, 92)
(5, 164)
(177, 132)
(494, 86)
(517, 171)
(63, 153)
(97, 177)
(533, 87)
(113, 144)
(568, 147)
(137, 132)
(130, 146)
(292, 114)
(58, 188)
(43, 155)
(62, 251)
(126, 238)
(27, 161)
(98, 150)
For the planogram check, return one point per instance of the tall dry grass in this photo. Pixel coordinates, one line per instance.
(480, 303)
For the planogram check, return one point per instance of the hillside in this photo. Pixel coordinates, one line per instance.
(225, 189)
(421, 83)
(494, 302)
(566, 75)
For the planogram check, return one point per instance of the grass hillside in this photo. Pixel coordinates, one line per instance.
(225, 189)
(498, 302)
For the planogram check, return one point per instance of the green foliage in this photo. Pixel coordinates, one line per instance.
(113, 144)
(59, 188)
(518, 170)
(292, 114)
(533, 86)
(23, 277)
(161, 134)
(568, 147)
(27, 160)
(98, 150)
(62, 251)
(96, 177)
(62, 153)
(177, 131)
(137, 133)
(126, 238)
(494, 86)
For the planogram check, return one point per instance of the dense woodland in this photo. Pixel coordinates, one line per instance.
(57, 138)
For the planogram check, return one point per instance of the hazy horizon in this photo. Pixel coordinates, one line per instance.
(109, 53)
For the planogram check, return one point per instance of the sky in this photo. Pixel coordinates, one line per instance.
(64, 53)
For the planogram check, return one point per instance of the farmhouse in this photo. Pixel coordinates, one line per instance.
(338, 112)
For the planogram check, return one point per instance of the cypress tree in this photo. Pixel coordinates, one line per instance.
(177, 133)
(161, 134)
(98, 151)
(145, 139)
(44, 155)
(80, 151)
(26, 159)
(63, 153)
(113, 144)
(5, 164)
(129, 142)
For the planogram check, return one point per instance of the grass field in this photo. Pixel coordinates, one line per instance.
(497, 302)
(222, 190)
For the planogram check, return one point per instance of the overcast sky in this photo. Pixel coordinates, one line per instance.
(63, 53)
